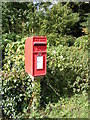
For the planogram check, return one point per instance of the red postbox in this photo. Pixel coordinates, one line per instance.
(35, 55)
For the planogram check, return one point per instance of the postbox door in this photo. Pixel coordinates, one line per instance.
(39, 64)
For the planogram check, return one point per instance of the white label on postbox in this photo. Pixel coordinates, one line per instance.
(39, 62)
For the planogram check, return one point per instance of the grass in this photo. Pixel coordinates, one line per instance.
(67, 107)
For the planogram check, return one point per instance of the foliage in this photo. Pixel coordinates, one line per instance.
(83, 8)
(68, 107)
(61, 19)
(14, 17)
(82, 42)
(7, 38)
(58, 23)
(16, 83)
(67, 59)
(22, 18)
(84, 11)
(16, 93)
(67, 72)
(44, 18)
(63, 40)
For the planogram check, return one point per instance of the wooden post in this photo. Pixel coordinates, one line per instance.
(36, 92)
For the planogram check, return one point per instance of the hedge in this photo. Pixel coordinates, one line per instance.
(67, 73)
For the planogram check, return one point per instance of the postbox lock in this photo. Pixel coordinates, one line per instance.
(39, 53)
